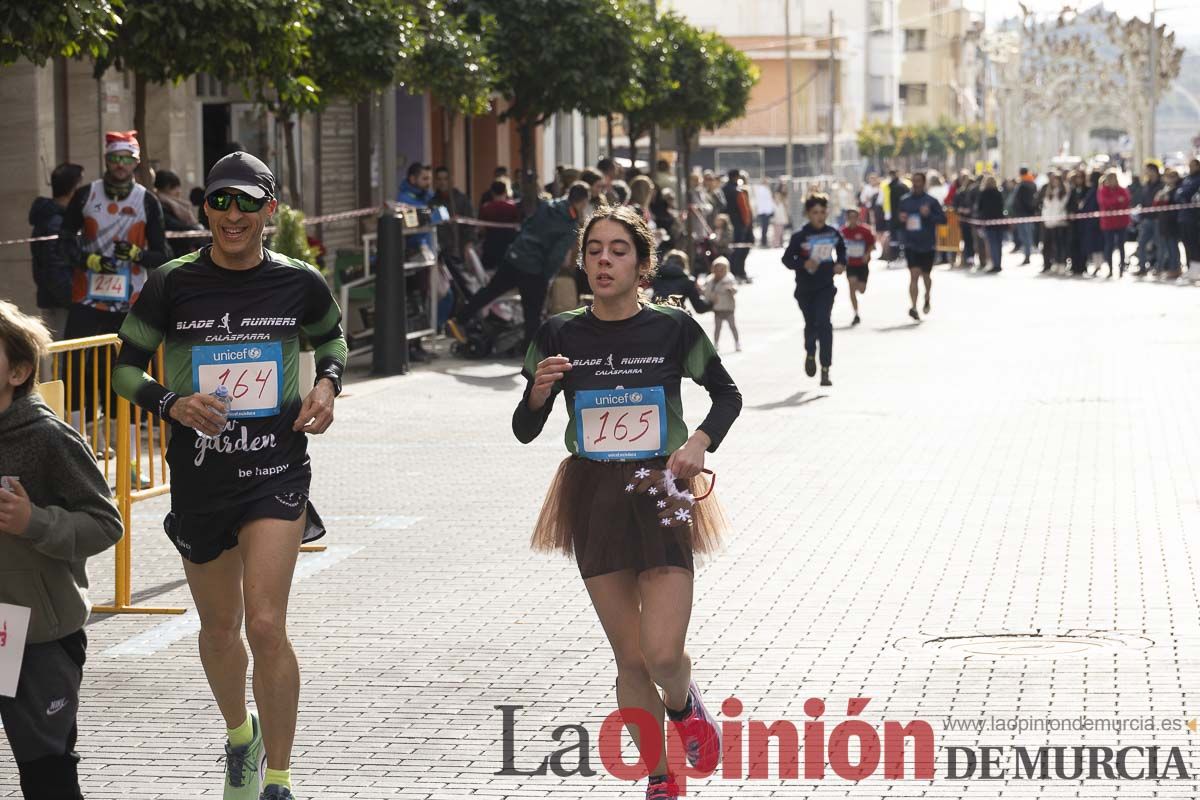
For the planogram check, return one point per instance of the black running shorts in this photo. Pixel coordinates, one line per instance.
(922, 260)
(201, 537)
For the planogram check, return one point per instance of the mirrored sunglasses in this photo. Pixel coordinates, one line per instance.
(220, 201)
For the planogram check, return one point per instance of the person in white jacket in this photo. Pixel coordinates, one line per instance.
(719, 290)
(764, 207)
(1055, 231)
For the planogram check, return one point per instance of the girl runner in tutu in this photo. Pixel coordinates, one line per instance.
(630, 503)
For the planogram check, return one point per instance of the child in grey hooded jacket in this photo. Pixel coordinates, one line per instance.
(56, 510)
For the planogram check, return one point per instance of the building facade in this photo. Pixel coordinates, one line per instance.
(938, 62)
(351, 155)
(834, 87)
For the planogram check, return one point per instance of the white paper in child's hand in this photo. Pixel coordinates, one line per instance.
(14, 625)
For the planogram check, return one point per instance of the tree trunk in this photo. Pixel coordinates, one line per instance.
(611, 149)
(139, 123)
(634, 132)
(289, 146)
(529, 181)
(447, 160)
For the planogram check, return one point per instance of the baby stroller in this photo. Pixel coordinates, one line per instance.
(499, 329)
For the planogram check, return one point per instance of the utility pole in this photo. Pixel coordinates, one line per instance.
(983, 148)
(1150, 148)
(791, 101)
(829, 147)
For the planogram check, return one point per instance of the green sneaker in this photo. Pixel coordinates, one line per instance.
(244, 766)
(276, 792)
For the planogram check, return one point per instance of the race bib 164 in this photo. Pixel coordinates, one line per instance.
(253, 374)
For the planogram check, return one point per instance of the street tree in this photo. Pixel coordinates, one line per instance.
(550, 57)
(42, 30)
(356, 48)
(237, 41)
(652, 87)
(710, 80)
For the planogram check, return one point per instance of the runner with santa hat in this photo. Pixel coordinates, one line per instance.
(115, 228)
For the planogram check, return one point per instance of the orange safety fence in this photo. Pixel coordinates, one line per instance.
(84, 368)
(949, 236)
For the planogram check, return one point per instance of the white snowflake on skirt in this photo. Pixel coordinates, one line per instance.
(683, 515)
(642, 474)
(666, 523)
(629, 487)
(653, 490)
(662, 503)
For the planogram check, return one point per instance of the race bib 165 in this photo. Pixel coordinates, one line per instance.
(621, 424)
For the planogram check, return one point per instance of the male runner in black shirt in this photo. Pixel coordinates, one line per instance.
(230, 316)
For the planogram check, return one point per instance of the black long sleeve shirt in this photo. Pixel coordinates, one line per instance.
(656, 347)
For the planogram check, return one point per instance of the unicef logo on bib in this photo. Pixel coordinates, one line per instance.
(621, 424)
(253, 375)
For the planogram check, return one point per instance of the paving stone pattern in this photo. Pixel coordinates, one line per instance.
(1025, 461)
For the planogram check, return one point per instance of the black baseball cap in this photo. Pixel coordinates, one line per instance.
(241, 171)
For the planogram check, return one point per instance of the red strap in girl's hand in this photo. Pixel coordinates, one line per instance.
(711, 484)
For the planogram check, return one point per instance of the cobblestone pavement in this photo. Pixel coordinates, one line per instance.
(1021, 466)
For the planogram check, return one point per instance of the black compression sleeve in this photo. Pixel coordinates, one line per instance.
(726, 402)
(527, 424)
(130, 371)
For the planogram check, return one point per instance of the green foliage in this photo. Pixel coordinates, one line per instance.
(39, 29)
(651, 86)
(554, 56)
(882, 140)
(444, 54)
(290, 238)
(736, 75)
(875, 139)
(708, 82)
(246, 42)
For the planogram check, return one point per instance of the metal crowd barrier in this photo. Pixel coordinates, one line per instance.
(81, 370)
(949, 236)
(84, 366)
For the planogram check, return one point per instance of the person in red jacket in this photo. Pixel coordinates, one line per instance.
(1113, 197)
(860, 242)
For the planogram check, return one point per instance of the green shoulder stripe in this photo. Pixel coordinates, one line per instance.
(140, 333)
(135, 329)
(332, 318)
(696, 345)
(567, 316)
(292, 262)
(698, 358)
(175, 263)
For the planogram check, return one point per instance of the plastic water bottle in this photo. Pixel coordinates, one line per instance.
(225, 399)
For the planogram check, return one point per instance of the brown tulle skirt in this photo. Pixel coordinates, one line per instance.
(589, 514)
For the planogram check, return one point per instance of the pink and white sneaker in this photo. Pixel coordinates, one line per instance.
(663, 790)
(701, 733)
